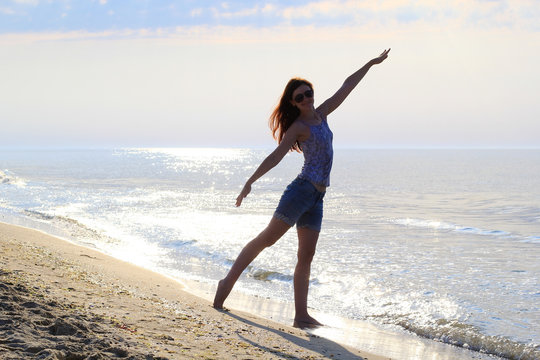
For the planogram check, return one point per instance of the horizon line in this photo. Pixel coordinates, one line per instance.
(263, 147)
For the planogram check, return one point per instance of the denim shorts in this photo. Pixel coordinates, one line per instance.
(301, 204)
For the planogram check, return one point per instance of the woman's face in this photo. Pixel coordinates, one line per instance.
(302, 97)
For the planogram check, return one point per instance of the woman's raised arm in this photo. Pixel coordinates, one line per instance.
(349, 84)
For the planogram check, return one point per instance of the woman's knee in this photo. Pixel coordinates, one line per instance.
(306, 255)
(307, 244)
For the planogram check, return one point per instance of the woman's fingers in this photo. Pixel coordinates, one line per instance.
(385, 53)
(382, 57)
(238, 201)
(240, 198)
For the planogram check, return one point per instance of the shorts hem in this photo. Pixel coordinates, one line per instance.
(306, 226)
(284, 218)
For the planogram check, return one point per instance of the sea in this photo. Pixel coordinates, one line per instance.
(440, 244)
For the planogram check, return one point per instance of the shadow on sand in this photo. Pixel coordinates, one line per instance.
(325, 347)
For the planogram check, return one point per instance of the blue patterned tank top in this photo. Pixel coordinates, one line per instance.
(318, 154)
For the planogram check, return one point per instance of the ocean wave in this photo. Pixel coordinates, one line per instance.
(38, 215)
(175, 244)
(8, 179)
(74, 229)
(267, 275)
(464, 335)
(446, 226)
(532, 240)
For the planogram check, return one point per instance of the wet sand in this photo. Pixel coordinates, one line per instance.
(59, 300)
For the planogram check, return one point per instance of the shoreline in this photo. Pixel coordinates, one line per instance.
(70, 295)
(340, 339)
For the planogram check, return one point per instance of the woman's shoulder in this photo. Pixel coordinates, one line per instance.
(322, 111)
(299, 125)
(300, 129)
(322, 116)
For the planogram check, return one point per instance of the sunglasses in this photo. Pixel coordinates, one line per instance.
(300, 97)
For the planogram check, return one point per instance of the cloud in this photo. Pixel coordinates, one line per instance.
(27, 2)
(220, 34)
(389, 15)
(475, 12)
(196, 12)
(36, 37)
(479, 14)
(7, 11)
(242, 13)
(326, 8)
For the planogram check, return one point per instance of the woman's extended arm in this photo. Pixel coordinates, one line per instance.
(271, 160)
(349, 84)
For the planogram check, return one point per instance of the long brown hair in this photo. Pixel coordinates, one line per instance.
(285, 113)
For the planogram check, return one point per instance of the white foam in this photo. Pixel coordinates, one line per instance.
(6, 178)
(441, 225)
(532, 240)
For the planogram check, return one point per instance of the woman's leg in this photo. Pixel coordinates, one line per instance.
(268, 237)
(307, 243)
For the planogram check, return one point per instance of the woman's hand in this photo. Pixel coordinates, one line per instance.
(380, 58)
(245, 191)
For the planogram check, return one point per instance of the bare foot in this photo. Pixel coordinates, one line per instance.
(221, 294)
(306, 323)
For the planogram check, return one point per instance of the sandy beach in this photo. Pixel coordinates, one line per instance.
(63, 301)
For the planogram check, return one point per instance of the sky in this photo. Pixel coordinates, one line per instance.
(142, 73)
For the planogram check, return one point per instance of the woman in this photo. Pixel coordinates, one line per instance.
(297, 124)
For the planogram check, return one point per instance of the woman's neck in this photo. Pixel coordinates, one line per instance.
(309, 116)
